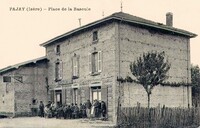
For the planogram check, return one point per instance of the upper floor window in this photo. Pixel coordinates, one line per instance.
(95, 62)
(57, 49)
(75, 66)
(58, 70)
(95, 36)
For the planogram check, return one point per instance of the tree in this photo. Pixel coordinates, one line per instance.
(195, 81)
(150, 70)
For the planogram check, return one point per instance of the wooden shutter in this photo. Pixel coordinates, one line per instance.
(99, 61)
(104, 94)
(55, 49)
(60, 70)
(79, 96)
(87, 93)
(71, 95)
(78, 65)
(90, 62)
(75, 65)
(56, 70)
(63, 96)
(52, 95)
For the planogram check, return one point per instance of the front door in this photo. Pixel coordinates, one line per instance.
(58, 97)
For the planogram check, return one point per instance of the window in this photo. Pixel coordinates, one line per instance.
(7, 79)
(58, 70)
(75, 66)
(95, 36)
(95, 62)
(57, 49)
(75, 95)
(96, 93)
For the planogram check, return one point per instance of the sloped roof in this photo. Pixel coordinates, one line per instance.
(16, 66)
(120, 16)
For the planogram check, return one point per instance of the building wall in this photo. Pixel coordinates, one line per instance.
(6, 97)
(134, 42)
(82, 45)
(32, 87)
(135, 94)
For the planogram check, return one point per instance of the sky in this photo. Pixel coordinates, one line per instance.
(22, 31)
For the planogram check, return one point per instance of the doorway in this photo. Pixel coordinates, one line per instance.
(58, 97)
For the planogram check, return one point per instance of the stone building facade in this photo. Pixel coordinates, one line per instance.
(23, 86)
(86, 62)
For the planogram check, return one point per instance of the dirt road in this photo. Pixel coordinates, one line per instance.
(37, 122)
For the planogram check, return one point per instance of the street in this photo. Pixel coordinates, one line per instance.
(37, 122)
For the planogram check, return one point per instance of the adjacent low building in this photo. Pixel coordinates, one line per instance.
(22, 86)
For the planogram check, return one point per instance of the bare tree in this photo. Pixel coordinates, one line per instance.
(150, 70)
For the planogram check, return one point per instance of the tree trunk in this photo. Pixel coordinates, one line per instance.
(149, 116)
(148, 94)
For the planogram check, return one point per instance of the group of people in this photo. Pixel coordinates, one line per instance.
(97, 109)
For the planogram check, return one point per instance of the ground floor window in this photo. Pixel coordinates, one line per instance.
(96, 93)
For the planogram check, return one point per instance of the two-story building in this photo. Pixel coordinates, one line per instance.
(86, 62)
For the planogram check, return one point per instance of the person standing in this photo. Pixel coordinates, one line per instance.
(88, 106)
(41, 109)
(103, 110)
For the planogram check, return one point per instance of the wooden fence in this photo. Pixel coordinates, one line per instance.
(139, 117)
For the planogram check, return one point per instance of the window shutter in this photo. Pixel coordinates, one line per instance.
(71, 95)
(87, 93)
(79, 96)
(55, 49)
(75, 66)
(90, 62)
(52, 95)
(63, 96)
(56, 71)
(72, 67)
(78, 65)
(99, 61)
(60, 70)
(104, 94)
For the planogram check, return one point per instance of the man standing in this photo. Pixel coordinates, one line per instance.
(103, 110)
(41, 109)
(88, 108)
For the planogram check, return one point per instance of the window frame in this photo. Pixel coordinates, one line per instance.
(95, 62)
(95, 37)
(58, 70)
(57, 49)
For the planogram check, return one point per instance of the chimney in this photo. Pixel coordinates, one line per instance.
(79, 22)
(169, 19)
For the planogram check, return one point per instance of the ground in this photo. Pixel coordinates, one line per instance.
(37, 122)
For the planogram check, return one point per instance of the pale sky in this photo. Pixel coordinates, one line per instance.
(21, 32)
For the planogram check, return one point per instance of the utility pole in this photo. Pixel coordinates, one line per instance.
(121, 6)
